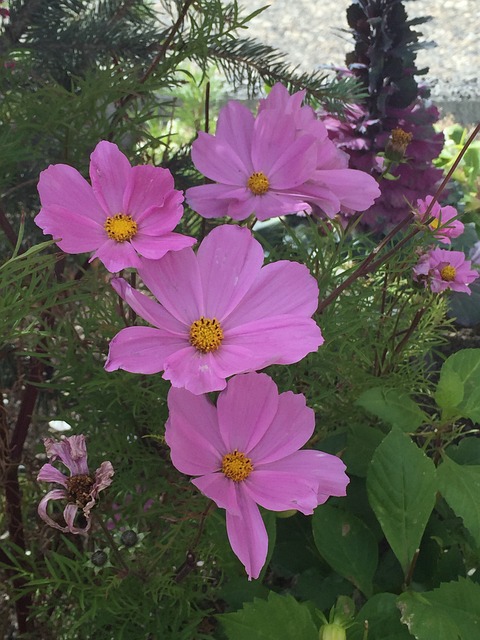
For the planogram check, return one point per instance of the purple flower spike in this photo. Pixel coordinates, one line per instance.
(245, 453)
(80, 488)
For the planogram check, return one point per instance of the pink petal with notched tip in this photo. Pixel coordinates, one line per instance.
(146, 187)
(235, 126)
(198, 372)
(109, 175)
(63, 186)
(217, 160)
(117, 255)
(158, 220)
(221, 490)
(290, 429)
(248, 536)
(281, 491)
(229, 260)
(246, 410)
(192, 433)
(175, 282)
(142, 349)
(213, 200)
(276, 340)
(155, 247)
(77, 232)
(280, 288)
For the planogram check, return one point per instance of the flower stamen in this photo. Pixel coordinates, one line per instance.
(448, 273)
(236, 466)
(258, 183)
(206, 334)
(120, 227)
(79, 489)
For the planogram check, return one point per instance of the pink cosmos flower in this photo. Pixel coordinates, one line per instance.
(245, 453)
(444, 225)
(127, 212)
(442, 269)
(220, 313)
(80, 489)
(277, 163)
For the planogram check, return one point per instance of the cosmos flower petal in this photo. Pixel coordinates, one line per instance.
(55, 494)
(109, 174)
(192, 433)
(212, 200)
(197, 372)
(273, 137)
(69, 515)
(156, 220)
(230, 261)
(218, 160)
(248, 536)
(235, 125)
(281, 490)
(290, 429)
(72, 451)
(78, 233)
(175, 282)
(117, 255)
(295, 166)
(277, 340)
(142, 349)
(146, 186)
(299, 294)
(155, 247)
(63, 186)
(245, 410)
(148, 309)
(219, 489)
(48, 473)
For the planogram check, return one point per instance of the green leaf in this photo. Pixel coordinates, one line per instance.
(449, 392)
(362, 441)
(383, 619)
(278, 617)
(464, 366)
(451, 612)
(401, 485)
(347, 544)
(460, 486)
(393, 406)
(467, 451)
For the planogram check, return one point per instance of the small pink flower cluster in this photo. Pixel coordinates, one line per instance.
(220, 311)
(442, 269)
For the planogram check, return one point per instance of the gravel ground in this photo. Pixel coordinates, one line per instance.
(310, 32)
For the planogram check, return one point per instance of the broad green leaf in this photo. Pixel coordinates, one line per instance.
(272, 619)
(450, 390)
(401, 485)
(451, 612)
(465, 366)
(383, 618)
(460, 486)
(393, 406)
(362, 441)
(347, 544)
(467, 451)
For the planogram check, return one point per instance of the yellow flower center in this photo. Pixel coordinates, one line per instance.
(236, 466)
(435, 223)
(206, 334)
(258, 183)
(120, 227)
(448, 273)
(400, 139)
